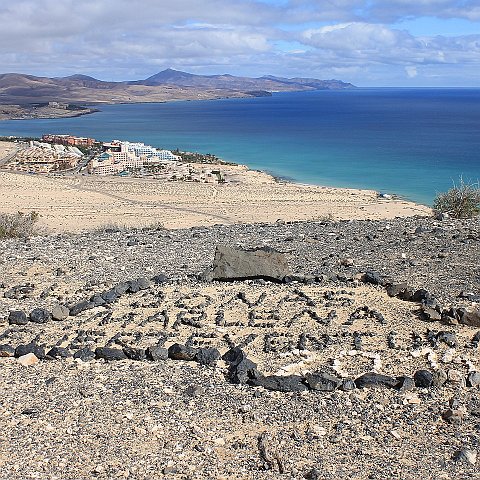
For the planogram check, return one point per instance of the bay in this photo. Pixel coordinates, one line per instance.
(411, 142)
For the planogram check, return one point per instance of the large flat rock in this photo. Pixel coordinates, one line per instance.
(237, 264)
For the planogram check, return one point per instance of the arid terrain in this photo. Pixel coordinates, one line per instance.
(78, 203)
(21, 94)
(136, 416)
(347, 349)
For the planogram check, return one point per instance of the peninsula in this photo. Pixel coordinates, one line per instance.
(28, 96)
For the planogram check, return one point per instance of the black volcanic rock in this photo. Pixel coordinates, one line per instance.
(80, 307)
(376, 380)
(84, 354)
(289, 383)
(132, 353)
(17, 317)
(241, 369)
(37, 350)
(58, 352)
(109, 354)
(323, 382)
(40, 315)
(207, 356)
(157, 353)
(181, 352)
(423, 379)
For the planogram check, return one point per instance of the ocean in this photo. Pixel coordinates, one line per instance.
(410, 142)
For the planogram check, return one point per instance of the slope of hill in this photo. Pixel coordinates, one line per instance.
(268, 82)
(22, 90)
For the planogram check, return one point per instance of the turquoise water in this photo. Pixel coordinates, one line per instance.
(412, 142)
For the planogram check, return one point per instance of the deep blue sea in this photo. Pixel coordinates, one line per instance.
(412, 142)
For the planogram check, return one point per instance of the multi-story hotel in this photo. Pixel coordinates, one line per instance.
(119, 156)
(69, 140)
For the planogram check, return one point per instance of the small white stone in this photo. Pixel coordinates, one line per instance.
(395, 434)
(320, 431)
(448, 355)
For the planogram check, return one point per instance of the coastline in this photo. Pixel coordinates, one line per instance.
(24, 112)
(81, 203)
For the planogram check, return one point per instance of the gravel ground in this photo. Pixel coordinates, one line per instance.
(70, 419)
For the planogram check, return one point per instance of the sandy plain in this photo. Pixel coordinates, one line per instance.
(77, 203)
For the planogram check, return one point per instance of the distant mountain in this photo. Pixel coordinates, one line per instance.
(167, 76)
(21, 89)
(79, 76)
(267, 82)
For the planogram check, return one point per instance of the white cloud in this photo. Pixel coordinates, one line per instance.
(411, 71)
(126, 39)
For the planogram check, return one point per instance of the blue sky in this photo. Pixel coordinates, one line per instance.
(366, 42)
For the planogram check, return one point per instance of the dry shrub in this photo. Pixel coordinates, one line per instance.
(461, 201)
(14, 225)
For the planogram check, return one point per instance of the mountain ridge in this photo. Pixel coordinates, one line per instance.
(20, 93)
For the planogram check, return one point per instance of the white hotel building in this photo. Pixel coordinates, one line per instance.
(121, 156)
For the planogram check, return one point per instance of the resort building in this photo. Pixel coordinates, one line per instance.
(69, 140)
(105, 164)
(121, 156)
(41, 157)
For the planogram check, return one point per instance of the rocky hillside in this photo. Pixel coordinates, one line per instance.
(332, 350)
(170, 84)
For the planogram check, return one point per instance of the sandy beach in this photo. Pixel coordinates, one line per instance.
(77, 203)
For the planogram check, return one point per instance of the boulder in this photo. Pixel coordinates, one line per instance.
(373, 277)
(84, 354)
(289, 383)
(59, 352)
(181, 352)
(157, 353)
(395, 289)
(207, 356)
(6, 351)
(121, 288)
(473, 379)
(133, 353)
(40, 315)
(28, 359)
(323, 382)
(81, 307)
(97, 301)
(17, 317)
(159, 279)
(439, 378)
(405, 384)
(238, 264)
(37, 350)
(423, 378)
(60, 312)
(110, 296)
(241, 369)
(431, 314)
(373, 379)
(471, 318)
(109, 354)
(138, 284)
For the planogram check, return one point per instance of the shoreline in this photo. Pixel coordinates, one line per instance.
(47, 116)
(92, 106)
(81, 203)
